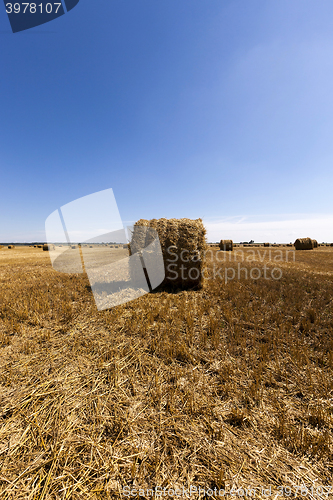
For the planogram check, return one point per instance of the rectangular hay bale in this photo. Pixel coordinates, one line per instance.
(183, 244)
(48, 247)
(226, 245)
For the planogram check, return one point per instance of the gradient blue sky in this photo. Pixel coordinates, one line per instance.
(220, 109)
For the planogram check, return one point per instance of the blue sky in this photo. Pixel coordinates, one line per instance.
(214, 108)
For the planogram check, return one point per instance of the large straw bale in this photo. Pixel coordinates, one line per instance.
(315, 243)
(303, 244)
(226, 245)
(183, 244)
(48, 247)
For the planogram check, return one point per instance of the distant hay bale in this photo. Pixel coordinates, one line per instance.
(331, 244)
(11, 246)
(39, 246)
(116, 246)
(315, 243)
(73, 247)
(48, 247)
(183, 245)
(226, 245)
(303, 244)
(289, 245)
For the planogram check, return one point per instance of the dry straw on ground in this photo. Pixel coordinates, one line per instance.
(226, 245)
(303, 244)
(227, 386)
(183, 244)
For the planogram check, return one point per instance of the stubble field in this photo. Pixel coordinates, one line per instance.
(228, 386)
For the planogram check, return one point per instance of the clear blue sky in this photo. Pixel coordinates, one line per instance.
(186, 108)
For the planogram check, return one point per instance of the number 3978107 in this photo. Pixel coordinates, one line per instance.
(32, 8)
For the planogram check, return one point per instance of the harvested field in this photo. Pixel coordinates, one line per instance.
(230, 385)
